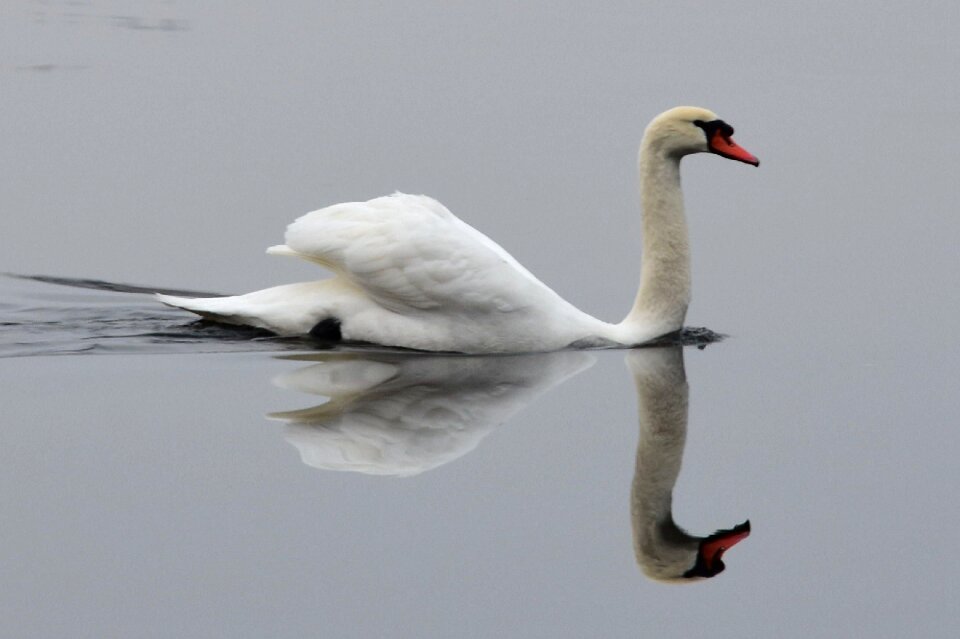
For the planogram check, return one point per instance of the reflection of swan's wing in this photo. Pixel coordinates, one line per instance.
(402, 415)
(664, 550)
(337, 377)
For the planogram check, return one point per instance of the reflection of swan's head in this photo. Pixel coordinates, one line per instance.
(685, 130)
(711, 549)
(401, 415)
(664, 550)
(668, 553)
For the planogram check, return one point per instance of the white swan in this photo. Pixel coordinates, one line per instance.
(409, 273)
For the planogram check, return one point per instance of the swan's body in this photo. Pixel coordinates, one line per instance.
(409, 273)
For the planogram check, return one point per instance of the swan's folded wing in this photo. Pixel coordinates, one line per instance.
(410, 252)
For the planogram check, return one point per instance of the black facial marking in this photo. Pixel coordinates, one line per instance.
(327, 330)
(700, 568)
(711, 127)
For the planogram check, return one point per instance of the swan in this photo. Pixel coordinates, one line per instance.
(664, 551)
(410, 274)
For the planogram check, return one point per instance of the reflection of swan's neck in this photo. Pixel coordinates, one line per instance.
(664, 294)
(662, 548)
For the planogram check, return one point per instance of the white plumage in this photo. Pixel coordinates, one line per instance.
(409, 273)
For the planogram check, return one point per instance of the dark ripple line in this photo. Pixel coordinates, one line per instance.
(113, 287)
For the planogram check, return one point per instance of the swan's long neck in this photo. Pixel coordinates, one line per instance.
(664, 294)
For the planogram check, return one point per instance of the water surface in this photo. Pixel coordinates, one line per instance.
(208, 487)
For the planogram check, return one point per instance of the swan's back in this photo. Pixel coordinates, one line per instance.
(431, 279)
(408, 252)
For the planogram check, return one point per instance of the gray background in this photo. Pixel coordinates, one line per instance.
(169, 143)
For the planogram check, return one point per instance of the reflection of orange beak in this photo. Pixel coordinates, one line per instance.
(712, 549)
(725, 146)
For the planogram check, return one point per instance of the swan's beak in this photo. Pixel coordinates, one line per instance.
(724, 145)
(712, 548)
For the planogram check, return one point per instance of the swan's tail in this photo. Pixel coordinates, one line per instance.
(217, 309)
(290, 309)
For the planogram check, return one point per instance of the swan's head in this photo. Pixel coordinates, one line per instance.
(685, 130)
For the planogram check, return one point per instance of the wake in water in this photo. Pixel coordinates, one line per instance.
(86, 316)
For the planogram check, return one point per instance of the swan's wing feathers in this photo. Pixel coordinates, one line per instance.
(409, 251)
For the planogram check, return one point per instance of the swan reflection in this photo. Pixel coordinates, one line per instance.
(395, 414)
(665, 551)
(400, 415)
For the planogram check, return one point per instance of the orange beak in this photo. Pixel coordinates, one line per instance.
(724, 145)
(713, 549)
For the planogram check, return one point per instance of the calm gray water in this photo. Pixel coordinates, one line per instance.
(166, 479)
